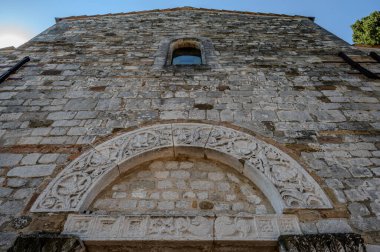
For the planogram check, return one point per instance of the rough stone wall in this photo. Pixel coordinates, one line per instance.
(279, 76)
(189, 186)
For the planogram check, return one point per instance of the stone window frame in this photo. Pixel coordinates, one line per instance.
(164, 54)
(182, 43)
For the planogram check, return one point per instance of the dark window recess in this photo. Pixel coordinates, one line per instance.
(187, 56)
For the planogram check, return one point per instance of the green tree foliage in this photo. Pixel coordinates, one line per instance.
(367, 30)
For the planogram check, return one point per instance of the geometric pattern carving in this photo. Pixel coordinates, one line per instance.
(269, 167)
(255, 227)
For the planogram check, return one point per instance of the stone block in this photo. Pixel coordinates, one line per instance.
(61, 115)
(180, 174)
(16, 182)
(216, 176)
(296, 116)
(358, 209)
(165, 205)
(5, 192)
(170, 195)
(8, 159)
(12, 207)
(165, 184)
(23, 193)
(333, 226)
(48, 158)
(80, 104)
(10, 116)
(31, 171)
(30, 159)
(161, 174)
(202, 185)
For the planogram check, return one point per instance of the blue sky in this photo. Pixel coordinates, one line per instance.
(21, 20)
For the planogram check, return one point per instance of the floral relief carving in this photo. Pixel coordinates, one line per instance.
(70, 188)
(125, 146)
(191, 134)
(296, 187)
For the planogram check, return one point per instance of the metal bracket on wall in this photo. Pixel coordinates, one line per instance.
(13, 69)
(357, 66)
(375, 56)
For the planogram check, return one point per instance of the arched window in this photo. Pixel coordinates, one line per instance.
(177, 53)
(185, 51)
(187, 56)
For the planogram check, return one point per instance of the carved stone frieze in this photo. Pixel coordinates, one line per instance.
(90, 227)
(68, 189)
(255, 227)
(291, 184)
(121, 148)
(191, 134)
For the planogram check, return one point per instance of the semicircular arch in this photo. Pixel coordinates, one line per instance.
(285, 183)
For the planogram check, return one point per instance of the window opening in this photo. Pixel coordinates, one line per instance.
(187, 56)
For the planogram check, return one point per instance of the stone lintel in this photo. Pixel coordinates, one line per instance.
(181, 228)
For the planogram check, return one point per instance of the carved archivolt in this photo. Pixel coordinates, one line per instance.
(281, 178)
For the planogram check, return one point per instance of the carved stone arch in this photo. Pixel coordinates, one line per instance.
(283, 181)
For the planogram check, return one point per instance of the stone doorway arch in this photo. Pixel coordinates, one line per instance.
(285, 183)
(282, 180)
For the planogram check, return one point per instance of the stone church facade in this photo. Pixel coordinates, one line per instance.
(270, 142)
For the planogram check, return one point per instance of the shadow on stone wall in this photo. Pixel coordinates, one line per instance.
(47, 242)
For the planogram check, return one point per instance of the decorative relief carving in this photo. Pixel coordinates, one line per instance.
(123, 147)
(190, 134)
(294, 185)
(235, 228)
(66, 191)
(90, 227)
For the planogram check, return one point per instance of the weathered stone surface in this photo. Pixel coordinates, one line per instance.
(333, 226)
(47, 242)
(31, 171)
(181, 227)
(271, 75)
(4, 192)
(172, 193)
(16, 182)
(7, 240)
(8, 159)
(289, 181)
